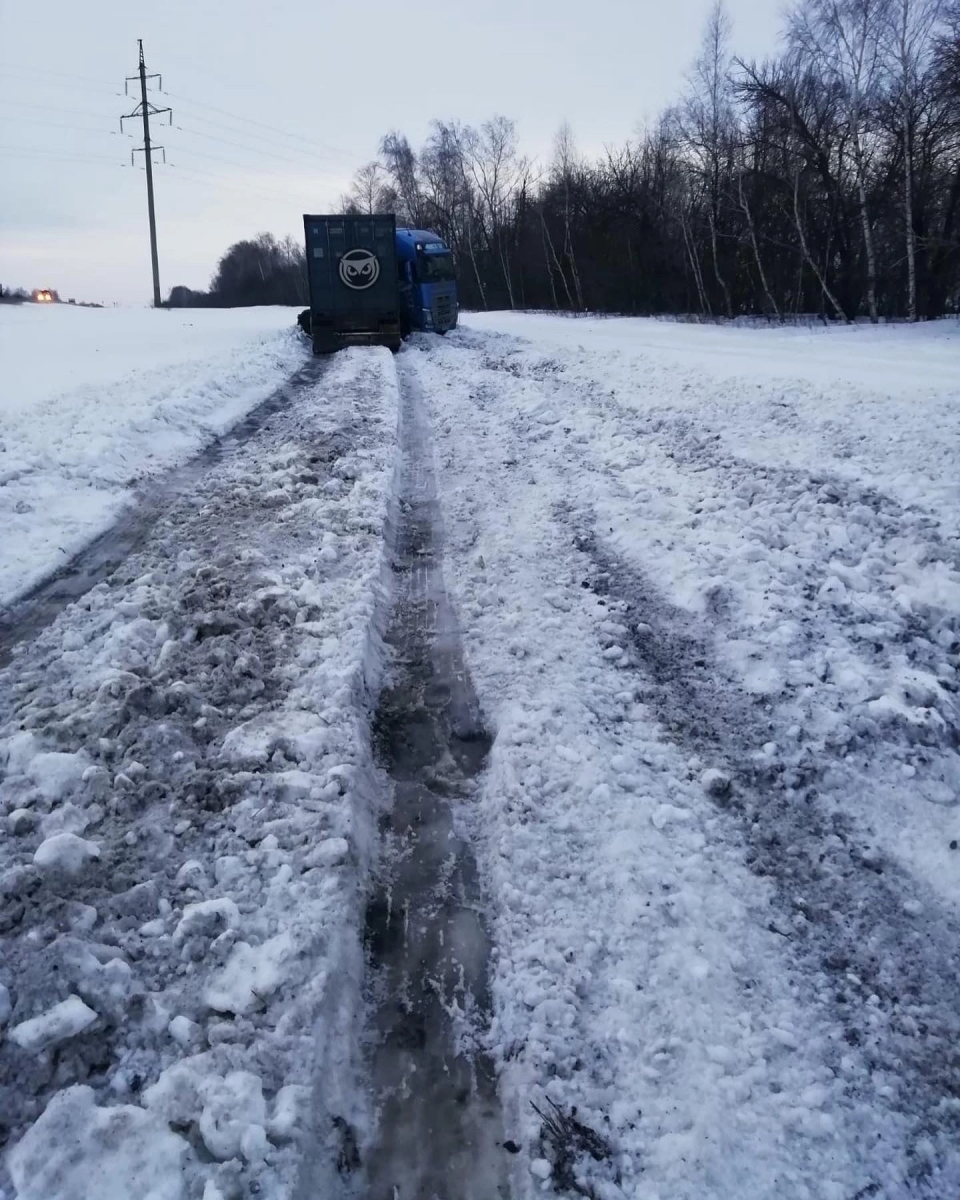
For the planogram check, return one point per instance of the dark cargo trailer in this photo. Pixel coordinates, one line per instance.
(352, 269)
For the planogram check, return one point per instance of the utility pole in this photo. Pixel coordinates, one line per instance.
(146, 110)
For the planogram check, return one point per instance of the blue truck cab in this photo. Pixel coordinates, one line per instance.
(428, 282)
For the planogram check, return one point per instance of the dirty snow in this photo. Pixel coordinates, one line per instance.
(707, 584)
(96, 401)
(188, 798)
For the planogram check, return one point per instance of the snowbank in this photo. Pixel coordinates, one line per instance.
(94, 401)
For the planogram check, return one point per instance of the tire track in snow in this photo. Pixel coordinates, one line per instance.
(439, 1124)
(849, 915)
(888, 979)
(27, 616)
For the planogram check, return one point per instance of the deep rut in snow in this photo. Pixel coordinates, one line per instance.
(33, 612)
(439, 1124)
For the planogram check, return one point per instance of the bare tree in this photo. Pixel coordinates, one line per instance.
(564, 168)
(841, 41)
(908, 41)
(704, 123)
(500, 177)
(370, 191)
(401, 165)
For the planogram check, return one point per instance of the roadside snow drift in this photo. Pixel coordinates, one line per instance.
(94, 401)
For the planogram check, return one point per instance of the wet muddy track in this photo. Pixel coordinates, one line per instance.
(438, 1121)
(40, 606)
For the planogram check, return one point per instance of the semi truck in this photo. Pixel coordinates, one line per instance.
(371, 283)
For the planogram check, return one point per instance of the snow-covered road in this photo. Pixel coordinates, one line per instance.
(704, 585)
(712, 614)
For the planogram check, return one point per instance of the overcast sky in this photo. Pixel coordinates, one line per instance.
(277, 101)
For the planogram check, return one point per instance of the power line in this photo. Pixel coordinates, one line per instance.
(230, 162)
(57, 75)
(302, 164)
(263, 125)
(74, 128)
(283, 193)
(54, 108)
(29, 152)
(218, 181)
(262, 137)
(145, 110)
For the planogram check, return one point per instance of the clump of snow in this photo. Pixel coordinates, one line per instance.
(57, 773)
(184, 1031)
(716, 783)
(65, 852)
(78, 1151)
(329, 853)
(207, 918)
(252, 974)
(58, 1024)
(232, 1108)
(288, 1107)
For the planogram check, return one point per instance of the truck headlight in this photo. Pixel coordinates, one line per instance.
(427, 319)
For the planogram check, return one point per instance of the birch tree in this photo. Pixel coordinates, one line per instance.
(841, 41)
(908, 41)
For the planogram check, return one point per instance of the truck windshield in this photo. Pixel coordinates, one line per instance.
(434, 267)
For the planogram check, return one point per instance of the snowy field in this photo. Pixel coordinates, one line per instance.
(95, 401)
(707, 588)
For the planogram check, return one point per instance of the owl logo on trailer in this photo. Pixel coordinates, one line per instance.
(359, 269)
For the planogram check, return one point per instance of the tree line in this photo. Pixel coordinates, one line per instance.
(825, 180)
(260, 270)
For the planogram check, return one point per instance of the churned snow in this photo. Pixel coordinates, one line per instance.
(95, 401)
(708, 587)
(707, 580)
(188, 801)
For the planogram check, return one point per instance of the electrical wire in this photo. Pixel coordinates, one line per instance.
(73, 128)
(41, 155)
(270, 139)
(108, 87)
(263, 125)
(53, 108)
(218, 181)
(205, 156)
(301, 164)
